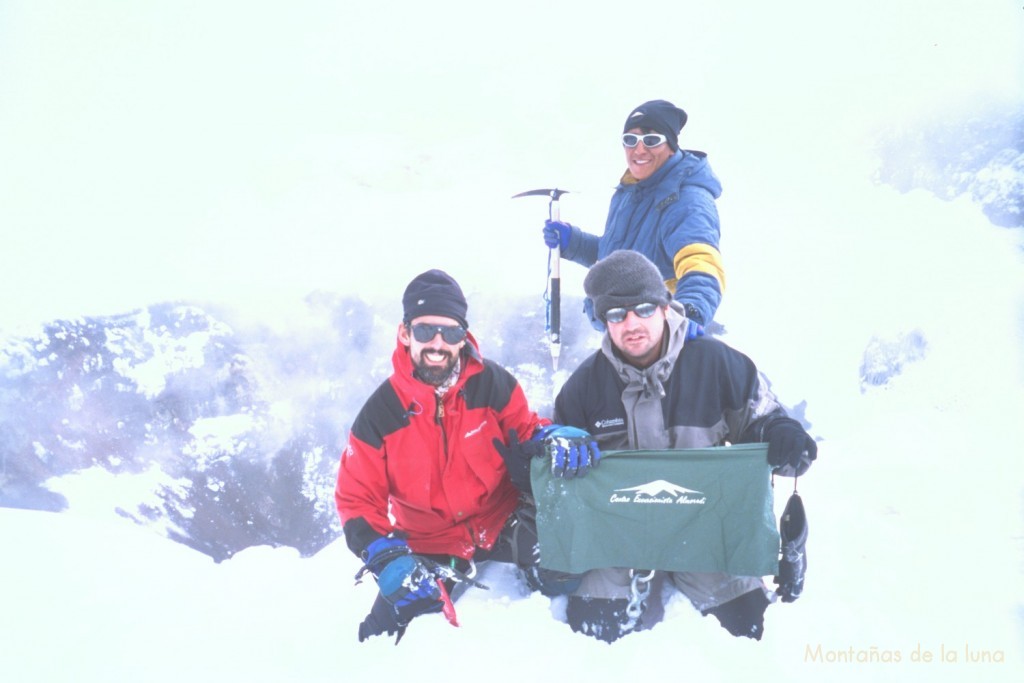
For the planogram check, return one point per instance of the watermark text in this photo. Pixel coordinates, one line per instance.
(965, 653)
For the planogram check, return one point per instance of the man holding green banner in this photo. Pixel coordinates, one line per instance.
(682, 487)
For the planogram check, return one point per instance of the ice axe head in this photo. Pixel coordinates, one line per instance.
(553, 194)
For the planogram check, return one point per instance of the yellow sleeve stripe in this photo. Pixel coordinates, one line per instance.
(698, 258)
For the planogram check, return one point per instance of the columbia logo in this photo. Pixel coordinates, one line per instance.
(610, 422)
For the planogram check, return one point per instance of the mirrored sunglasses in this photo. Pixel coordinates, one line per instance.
(649, 139)
(617, 315)
(451, 334)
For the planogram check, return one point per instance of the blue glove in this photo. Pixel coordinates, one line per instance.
(378, 554)
(573, 451)
(556, 234)
(406, 581)
(408, 584)
(693, 329)
(694, 322)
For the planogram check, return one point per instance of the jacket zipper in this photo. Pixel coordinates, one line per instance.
(438, 418)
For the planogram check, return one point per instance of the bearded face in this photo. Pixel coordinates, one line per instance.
(433, 366)
(435, 359)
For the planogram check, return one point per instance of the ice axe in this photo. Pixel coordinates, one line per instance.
(555, 279)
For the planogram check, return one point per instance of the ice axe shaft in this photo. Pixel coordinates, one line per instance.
(554, 267)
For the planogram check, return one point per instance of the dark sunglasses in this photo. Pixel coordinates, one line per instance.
(617, 315)
(451, 334)
(649, 139)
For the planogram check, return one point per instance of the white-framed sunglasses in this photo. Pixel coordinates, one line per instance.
(649, 139)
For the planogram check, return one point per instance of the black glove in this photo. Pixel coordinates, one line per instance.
(790, 449)
(517, 456)
(381, 619)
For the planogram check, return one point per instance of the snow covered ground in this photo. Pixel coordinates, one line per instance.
(914, 551)
(916, 543)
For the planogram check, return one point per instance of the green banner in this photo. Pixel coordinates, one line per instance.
(693, 510)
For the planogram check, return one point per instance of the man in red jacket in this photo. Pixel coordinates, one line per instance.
(425, 485)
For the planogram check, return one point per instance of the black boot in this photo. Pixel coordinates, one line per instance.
(601, 618)
(743, 616)
(551, 583)
(609, 619)
(793, 565)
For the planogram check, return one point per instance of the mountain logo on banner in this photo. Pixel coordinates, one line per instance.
(658, 492)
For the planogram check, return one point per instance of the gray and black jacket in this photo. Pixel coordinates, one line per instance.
(700, 393)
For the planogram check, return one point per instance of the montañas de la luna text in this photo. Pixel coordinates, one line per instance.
(818, 654)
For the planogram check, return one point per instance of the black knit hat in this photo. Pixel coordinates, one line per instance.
(434, 292)
(661, 116)
(624, 278)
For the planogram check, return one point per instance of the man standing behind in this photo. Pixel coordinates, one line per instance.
(664, 207)
(423, 491)
(650, 387)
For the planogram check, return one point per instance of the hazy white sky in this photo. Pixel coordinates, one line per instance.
(249, 152)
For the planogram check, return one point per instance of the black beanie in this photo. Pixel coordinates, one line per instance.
(624, 278)
(434, 293)
(661, 116)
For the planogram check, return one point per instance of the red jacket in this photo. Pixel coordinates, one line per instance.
(432, 464)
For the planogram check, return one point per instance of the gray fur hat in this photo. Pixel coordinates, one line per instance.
(624, 278)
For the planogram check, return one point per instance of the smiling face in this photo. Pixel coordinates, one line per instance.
(644, 161)
(639, 339)
(435, 359)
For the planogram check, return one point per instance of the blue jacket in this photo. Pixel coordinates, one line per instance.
(670, 218)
